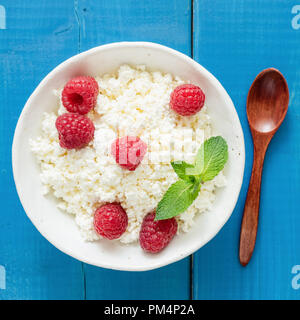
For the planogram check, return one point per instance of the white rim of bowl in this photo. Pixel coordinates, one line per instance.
(134, 44)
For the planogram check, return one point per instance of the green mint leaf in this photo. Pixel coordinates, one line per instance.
(184, 170)
(177, 199)
(211, 158)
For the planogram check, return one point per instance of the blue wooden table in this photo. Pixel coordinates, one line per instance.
(234, 40)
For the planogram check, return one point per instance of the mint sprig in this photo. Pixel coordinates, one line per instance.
(184, 170)
(177, 199)
(210, 160)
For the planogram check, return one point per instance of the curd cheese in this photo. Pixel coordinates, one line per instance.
(133, 101)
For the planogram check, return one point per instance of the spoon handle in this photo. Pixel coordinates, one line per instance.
(251, 209)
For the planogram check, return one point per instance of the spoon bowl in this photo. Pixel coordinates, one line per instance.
(267, 101)
(267, 106)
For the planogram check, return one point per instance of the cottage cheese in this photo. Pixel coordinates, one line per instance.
(133, 101)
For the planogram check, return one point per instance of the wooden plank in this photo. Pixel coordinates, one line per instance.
(170, 282)
(38, 36)
(164, 22)
(235, 40)
(168, 23)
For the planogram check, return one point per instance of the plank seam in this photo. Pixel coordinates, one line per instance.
(84, 281)
(76, 5)
(192, 56)
(78, 22)
(192, 28)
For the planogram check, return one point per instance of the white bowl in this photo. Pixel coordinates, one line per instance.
(60, 229)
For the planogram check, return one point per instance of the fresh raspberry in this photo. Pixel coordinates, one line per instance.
(156, 235)
(110, 221)
(80, 94)
(75, 131)
(187, 99)
(129, 151)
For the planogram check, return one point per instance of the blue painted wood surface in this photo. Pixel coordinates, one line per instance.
(39, 35)
(234, 40)
(158, 21)
(30, 47)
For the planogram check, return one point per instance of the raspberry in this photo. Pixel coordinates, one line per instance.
(75, 131)
(110, 221)
(156, 235)
(129, 151)
(187, 99)
(80, 94)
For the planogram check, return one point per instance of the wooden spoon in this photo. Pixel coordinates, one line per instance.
(267, 104)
